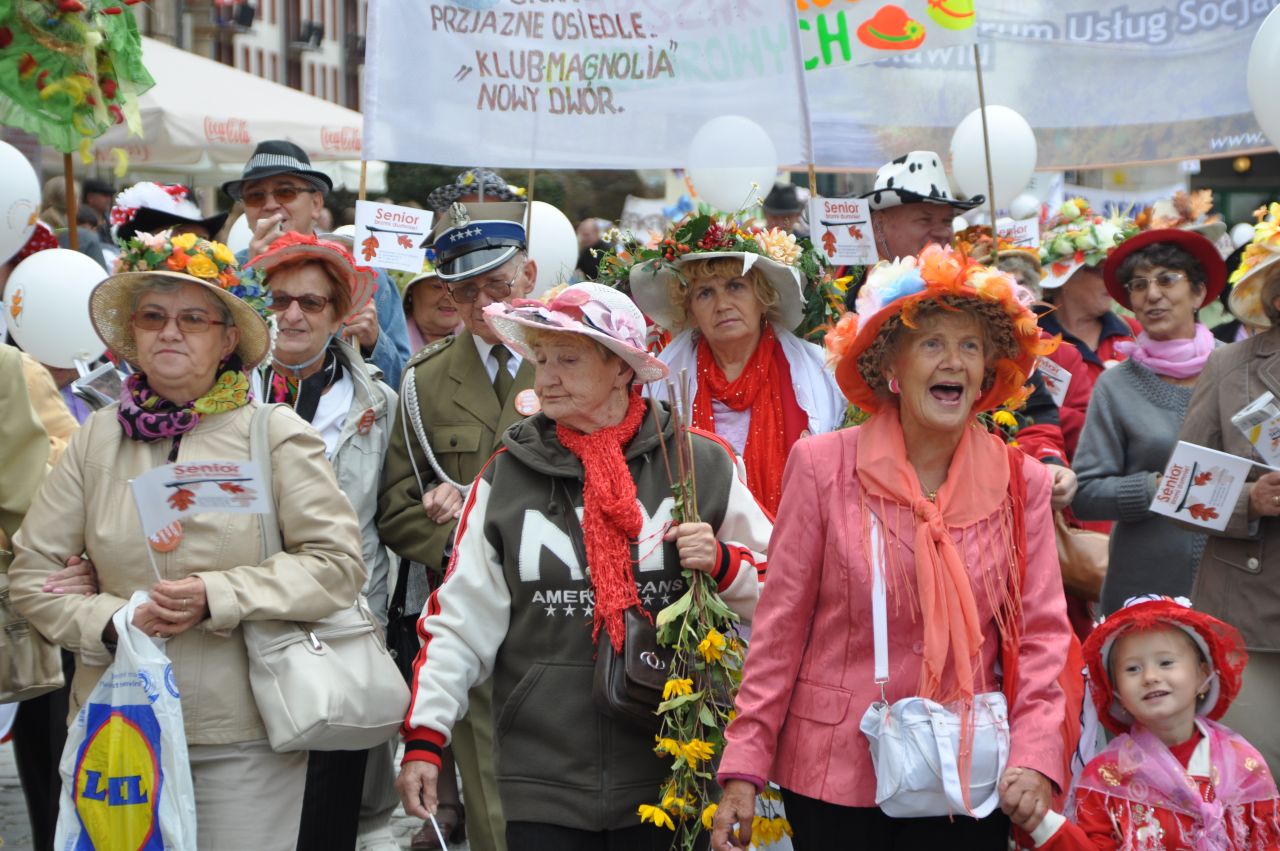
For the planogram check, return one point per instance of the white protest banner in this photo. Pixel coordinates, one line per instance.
(589, 84)
(841, 229)
(392, 237)
(1201, 485)
(1259, 422)
(871, 32)
(1067, 66)
(168, 494)
(1024, 233)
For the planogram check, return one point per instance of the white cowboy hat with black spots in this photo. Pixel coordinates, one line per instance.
(917, 178)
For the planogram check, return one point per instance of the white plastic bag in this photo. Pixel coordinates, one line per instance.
(126, 780)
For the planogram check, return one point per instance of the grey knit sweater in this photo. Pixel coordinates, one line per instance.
(1129, 434)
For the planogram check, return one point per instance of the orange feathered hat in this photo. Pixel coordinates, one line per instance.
(898, 288)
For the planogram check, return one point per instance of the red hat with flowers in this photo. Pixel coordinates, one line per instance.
(897, 290)
(1220, 644)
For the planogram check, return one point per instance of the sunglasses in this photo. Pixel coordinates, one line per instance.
(188, 321)
(308, 303)
(496, 290)
(283, 194)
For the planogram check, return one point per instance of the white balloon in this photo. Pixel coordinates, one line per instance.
(19, 200)
(732, 162)
(47, 307)
(1025, 206)
(553, 245)
(1260, 76)
(1013, 154)
(1241, 234)
(959, 223)
(239, 235)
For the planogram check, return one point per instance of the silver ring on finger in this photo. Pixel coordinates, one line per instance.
(185, 601)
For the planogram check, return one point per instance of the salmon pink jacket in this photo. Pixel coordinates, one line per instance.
(810, 669)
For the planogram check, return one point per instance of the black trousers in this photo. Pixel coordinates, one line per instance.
(534, 836)
(39, 734)
(820, 826)
(331, 801)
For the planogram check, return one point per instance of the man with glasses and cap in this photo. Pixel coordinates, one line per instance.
(282, 193)
(458, 396)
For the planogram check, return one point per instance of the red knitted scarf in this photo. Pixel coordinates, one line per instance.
(611, 517)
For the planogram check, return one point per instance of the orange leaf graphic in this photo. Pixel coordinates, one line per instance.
(829, 243)
(369, 248)
(1200, 511)
(1204, 478)
(181, 499)
(404, 241)
(230, 487)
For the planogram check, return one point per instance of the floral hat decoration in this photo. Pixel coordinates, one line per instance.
(1220, 645)
(146, 257)
(1245, 300)
(648, 271)
(1191, 211)
(897, 290)
(1078, 237)
(596, 311)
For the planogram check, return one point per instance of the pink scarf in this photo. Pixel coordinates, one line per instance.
(1138, 768)
(1173, 358)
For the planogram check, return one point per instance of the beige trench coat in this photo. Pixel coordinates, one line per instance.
(86, 506)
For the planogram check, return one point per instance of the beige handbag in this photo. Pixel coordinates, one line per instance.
(1083, 556)
(326, 685)
(29, 664)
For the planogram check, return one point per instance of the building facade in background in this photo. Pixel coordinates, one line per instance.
(314, 46)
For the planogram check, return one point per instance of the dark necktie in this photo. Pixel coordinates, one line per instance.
(502, 381)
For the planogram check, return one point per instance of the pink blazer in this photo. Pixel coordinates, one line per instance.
(809, 674)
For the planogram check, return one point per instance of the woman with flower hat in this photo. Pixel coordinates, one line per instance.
(1164, 277)
(1073, 248)
(568, 527)
(732, 297)
(315, 287)
(1235, 579)
(178, 310)
(1161, 675)
(935, 341)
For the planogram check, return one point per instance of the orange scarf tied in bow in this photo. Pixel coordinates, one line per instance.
(764, 388)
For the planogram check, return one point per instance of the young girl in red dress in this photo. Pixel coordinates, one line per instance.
(1160, 675)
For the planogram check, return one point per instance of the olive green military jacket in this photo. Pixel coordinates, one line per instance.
(447, 398)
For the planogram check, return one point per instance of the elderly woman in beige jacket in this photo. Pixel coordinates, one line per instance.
(191, 340)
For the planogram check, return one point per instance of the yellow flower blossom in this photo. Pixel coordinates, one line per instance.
(712, 647)
(697, 750)
(185, 241)
(677, 688)
(1004, 418)
(656, 815)
(708, 816)
(667, 746)
(779, 245)
(223, 255)
(202, 267)
(674, 804)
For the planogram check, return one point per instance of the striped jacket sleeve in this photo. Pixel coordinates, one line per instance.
(744, 542)
(462, 626)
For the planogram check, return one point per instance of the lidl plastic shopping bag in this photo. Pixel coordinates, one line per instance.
(126, 781)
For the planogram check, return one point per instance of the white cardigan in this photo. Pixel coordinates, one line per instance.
(815, 385)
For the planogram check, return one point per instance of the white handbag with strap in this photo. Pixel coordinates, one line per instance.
(321, 686)
(915, 742)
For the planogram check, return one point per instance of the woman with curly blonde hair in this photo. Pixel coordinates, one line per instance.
(924, 508)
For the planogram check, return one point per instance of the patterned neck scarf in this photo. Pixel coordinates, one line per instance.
(303, 395)
(147, 416)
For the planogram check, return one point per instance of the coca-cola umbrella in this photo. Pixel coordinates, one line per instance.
(202, 113)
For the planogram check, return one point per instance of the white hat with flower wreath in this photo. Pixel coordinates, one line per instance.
(776, 253)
